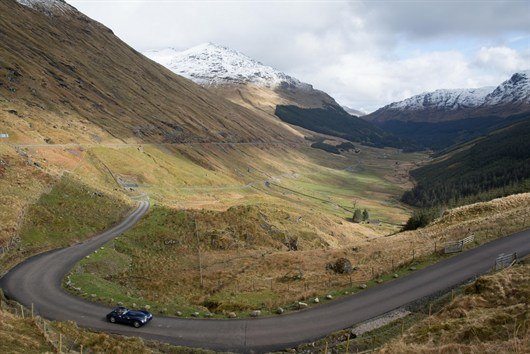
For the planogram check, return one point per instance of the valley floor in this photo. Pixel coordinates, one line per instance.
(232, 228)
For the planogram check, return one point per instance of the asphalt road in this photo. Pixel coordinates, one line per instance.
(38, 281)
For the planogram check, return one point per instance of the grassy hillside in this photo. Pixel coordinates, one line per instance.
(491, 316)
(238, 260)
(495, 165)
(333, 120)
(68, 212)
(65, 77)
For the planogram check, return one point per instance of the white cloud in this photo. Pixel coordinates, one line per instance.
(365, 54)
(503, 59)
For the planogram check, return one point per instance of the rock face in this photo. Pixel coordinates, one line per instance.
(340, 266)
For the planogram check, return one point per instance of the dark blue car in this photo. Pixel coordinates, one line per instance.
(131, 317)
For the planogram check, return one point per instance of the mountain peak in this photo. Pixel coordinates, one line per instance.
(514, 90)
(213, 64)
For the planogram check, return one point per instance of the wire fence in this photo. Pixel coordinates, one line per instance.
(53, 337)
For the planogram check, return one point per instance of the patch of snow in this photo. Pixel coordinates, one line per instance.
(49, 6)
(212, 64)
(444, 99)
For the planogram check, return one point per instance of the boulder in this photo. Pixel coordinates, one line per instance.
(232, 315)
(329, 296)
(340, 266)
(195, 314)
(396, 275)
(280, 310)
(178, 313)
(316, 300)
(255, 313)
(302, 305)
(363, 286)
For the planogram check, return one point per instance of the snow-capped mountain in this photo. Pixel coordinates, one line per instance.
(240, 78)
(212, 64)
(354, 112)
(510, 97)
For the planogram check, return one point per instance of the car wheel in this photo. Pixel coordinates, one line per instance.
(137, 324)
(112, 319)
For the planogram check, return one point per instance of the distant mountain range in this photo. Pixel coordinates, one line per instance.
(441, 118)
(510, 97)
(354, 112)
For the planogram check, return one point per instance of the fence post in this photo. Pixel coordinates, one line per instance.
(60, 343)
(348, 344)
(32, 314)
(413, 254)
(21, 311)
(434, 246)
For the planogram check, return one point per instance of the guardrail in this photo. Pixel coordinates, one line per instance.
(505, 260)
(458, 246)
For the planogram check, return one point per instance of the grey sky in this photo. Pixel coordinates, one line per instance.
(364, 53)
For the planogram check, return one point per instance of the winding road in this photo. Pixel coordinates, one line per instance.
(38, 281)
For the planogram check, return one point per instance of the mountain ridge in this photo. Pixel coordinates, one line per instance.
(510, 97)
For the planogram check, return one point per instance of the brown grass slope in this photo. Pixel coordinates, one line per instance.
(491, 317)
(67, 64)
